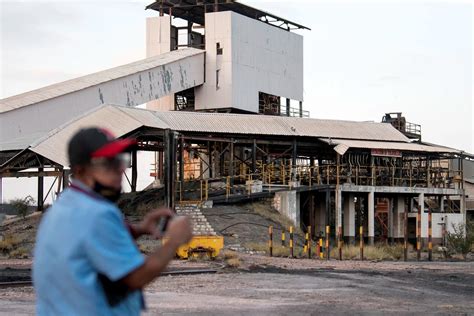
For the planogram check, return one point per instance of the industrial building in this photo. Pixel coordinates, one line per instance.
(225, 117)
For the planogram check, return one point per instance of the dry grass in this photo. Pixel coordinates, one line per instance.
(228, 254)
(279, 250)
(19, 253)
(8, 244)
(349, 252)
(377, 252)
(234, 262)
(147, 248)
(265, 210)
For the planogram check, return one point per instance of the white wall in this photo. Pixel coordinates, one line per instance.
(218, 29)
(158, 41)
(256, 57)
(450, 219)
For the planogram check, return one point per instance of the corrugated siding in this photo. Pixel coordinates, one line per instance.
(80, 83)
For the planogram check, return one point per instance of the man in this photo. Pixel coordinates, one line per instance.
(85, 259)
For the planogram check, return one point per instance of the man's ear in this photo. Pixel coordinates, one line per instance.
(80, 170)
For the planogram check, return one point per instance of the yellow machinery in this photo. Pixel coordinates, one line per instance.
(201, 245)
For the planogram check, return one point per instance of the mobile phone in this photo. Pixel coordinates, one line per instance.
(163, 223)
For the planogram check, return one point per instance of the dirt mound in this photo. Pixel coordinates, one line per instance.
(246, 225)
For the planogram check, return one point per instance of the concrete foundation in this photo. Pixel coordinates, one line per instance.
(349, 218)
(288, 204)
(371, 218)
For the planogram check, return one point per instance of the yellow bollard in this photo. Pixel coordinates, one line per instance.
(291, 242)
(320, 248)
(270, 240)
(308, 241)
(328, 230)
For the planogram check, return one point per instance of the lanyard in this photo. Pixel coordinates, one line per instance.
(88, 193)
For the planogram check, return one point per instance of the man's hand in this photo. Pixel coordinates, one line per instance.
(179, 230)
(149, 224)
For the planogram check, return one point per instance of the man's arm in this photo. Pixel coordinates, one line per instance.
(179, 232)
(148, 225)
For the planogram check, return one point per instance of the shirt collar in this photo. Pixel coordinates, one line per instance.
(81, 185)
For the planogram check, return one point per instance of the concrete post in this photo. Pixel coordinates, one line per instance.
(320, 214)
(398, 218)
(390, 220)
(371, 218)
(349, 219)
(462, 207)
(424, 218)
(338, 212)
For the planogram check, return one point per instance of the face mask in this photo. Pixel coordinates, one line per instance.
(107, 192)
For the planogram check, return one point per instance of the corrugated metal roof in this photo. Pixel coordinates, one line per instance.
(122, 120)
(402, 146)
(119, 120)
(278, 125)
(80, 83)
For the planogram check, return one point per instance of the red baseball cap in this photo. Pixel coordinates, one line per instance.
(96, 142)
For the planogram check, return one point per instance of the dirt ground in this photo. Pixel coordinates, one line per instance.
(280, 286)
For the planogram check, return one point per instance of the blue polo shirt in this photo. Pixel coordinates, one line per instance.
(81, 236)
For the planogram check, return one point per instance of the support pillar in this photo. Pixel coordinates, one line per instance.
(424, 218)
(462, 208)
(338, 232)
(181, 161)
(293, 161)
(134, 171)
(231, 165)
(301, 108)
(211, 162)
(328, 211)
(66, 174)
(287, 107)
(254, 156)
(320, 216)
(349, 219)
(398, 218)
(390, 214)
(371, 218)
(166, 172)
(40, 192)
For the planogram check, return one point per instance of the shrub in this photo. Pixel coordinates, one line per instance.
(21, 205)
(459, 243)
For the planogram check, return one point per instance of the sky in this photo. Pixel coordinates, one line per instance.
(361, 58)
